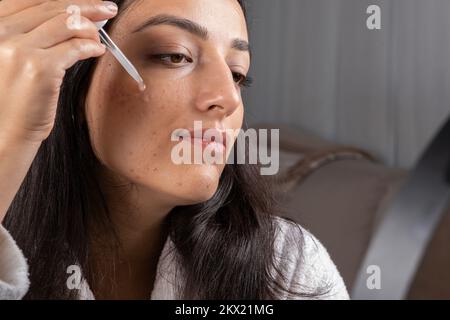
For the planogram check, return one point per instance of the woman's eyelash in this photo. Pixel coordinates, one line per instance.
(248, 82)
(243, 81)
(173, 57)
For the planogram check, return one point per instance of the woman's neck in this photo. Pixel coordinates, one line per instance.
(129, 270)
(125, 261)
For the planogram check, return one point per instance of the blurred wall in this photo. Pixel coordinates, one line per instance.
(317, 66)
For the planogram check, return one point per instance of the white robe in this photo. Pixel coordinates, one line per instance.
(311, 266)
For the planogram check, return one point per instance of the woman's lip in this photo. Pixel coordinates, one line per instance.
(211, 133)
(216, 146)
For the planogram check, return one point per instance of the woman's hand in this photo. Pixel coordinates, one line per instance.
(39, 41)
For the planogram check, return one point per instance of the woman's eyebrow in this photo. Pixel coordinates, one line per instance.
(191, 27)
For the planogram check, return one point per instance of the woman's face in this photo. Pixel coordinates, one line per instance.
(191, 74)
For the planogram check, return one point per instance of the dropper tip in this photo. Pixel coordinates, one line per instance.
(142, 86)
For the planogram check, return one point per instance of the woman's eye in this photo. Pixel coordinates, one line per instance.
(172, 58)
(242, 80)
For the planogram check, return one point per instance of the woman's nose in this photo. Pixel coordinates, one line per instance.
(218, 92)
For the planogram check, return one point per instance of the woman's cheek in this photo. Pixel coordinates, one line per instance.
(146, 137)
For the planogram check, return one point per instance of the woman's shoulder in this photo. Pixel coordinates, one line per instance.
(305, 262)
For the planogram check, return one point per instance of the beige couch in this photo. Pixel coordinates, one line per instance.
(340, 193)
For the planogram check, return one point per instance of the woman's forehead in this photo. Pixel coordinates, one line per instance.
(218, 17)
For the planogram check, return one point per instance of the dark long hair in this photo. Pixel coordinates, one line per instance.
(60, 199)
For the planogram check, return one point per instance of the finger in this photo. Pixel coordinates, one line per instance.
(60, 29)
(66, 54)
(31, 18)
(9, 7)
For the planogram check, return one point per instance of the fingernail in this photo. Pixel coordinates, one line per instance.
(110, 6)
